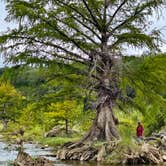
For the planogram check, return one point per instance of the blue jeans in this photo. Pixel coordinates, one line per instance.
(139, 139)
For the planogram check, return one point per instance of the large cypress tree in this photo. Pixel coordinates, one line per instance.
(88, 32)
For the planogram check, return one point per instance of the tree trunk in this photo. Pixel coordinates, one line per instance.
(66, 126)
(104, 125)
(4, 122)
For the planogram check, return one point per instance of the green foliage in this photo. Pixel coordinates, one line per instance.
(63, 110)
(77, 41)
(147, 77)
(60, 28)
(85, 120)
(10, 100)
(58, 140)
(56, 97)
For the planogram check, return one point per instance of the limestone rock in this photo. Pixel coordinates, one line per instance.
(58, 132)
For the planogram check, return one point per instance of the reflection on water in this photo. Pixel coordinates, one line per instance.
(80, 163)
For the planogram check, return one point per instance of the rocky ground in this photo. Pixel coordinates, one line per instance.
(150, 151)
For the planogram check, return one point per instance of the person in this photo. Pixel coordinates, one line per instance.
(139, 132)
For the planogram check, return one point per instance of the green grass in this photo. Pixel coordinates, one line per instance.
(56, 141)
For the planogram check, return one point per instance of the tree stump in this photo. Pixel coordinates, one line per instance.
(24, 159)
(148, 155)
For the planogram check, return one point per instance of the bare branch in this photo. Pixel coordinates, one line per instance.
(92, 16)
(115, 13)
(86, 26)
(78, 12)
(77, 30)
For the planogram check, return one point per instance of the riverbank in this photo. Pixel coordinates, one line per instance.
(151, 150)
(121, 152)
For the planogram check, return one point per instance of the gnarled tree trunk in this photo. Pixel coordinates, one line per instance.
(104, 125)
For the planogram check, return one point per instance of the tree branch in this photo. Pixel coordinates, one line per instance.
(52, 45)
(115, 13)
(78, 12)
(137, 11)
(70, 39)
(92, 16)
(77, 19)
(77, 30)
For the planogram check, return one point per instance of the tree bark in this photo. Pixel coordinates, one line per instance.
(66, 126)
(104, 125)
(4, 122)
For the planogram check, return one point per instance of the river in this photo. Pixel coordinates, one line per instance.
(8, 154)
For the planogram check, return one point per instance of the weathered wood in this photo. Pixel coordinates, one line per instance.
(148, 155)
(81, 152)
(102, 153)
(24, 159)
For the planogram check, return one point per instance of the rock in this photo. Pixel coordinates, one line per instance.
(44, 147)
(58, 132)
(101, 154)
(160, 134)
(164, 158)
(24, 159)
(41, 161)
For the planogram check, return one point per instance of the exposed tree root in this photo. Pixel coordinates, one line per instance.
(76, 152)
(24, 159)
(147, 155)
(85, 152)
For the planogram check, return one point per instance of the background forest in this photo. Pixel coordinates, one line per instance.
(38, 98)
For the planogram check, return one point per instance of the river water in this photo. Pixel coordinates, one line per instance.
(8, 154)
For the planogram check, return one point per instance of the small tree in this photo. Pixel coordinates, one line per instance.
(9, 102)
(64, 111)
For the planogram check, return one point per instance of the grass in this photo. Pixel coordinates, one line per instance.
(57, 141)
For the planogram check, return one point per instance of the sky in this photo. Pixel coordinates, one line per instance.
(157, 23)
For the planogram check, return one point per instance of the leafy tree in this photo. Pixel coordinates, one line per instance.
(146, 78)
(91, 33)
(9, 102)
(64, 111)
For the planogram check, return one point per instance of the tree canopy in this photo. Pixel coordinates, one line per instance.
(92, 34)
